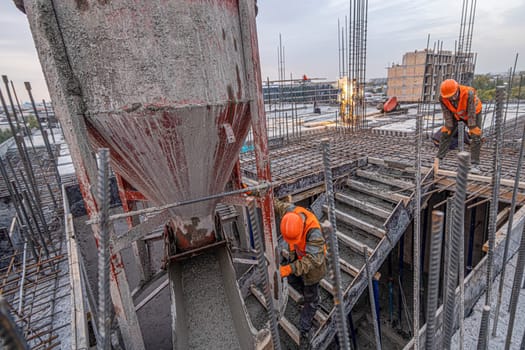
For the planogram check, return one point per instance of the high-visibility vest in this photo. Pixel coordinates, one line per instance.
(311, 222)
(460, 112)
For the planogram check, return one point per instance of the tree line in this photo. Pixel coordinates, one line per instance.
(485, 85)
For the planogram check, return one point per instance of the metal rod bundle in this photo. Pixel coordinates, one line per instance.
(352, 40)
(342, 329)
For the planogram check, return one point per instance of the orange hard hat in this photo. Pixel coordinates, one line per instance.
(292, 227)
(449, 88)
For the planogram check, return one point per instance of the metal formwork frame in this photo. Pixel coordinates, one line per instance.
(129, 198)
(260, 139)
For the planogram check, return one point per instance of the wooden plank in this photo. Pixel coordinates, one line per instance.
(362, 205)
(352, 243)
(289, 328)
(389, 196)
(387, 180)
(348, 268)
(327, 286)
(480, 178)
(480, 189)
(79, 327)
(365, 226)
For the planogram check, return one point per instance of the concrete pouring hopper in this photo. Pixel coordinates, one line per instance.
(171, 88)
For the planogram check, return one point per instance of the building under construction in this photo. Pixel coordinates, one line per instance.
(420, 71)
(146, 219)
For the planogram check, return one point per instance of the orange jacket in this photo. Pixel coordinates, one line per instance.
(311, 222)
(460, 112)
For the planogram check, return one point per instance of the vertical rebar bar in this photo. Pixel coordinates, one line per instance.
(461, 136)
(433, 277)
(104, 320)
(500, 94)
(509, 233)
(509, 88)
(27, 202)
(515, 294)
(48, 121)
(27, 130)
(518, 104)
(19, 145)
(369, 277)
(263, 274)
(496, 175)
(43, 132)
(417, 232)
(446, 256)
(484, 326)
(455, 246)
(22, 280)
(342, 329)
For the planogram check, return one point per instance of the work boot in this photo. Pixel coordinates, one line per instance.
(304, 341)
(474, 169)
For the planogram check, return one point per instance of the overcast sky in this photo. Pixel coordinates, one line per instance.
(309, 32)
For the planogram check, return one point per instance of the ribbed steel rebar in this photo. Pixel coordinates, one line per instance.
(496, 175)
(509, 233)
(461, 258)
(10, 336)
(516, 284)
(43, 132)
(456, 239)
(493, 214)
(461, 136)
(433, 277)
(446, 262)
(22, 281)
(263, 275)
(104, 320)
(417, 232)
(484, 327)
(369, 277)
(333, 249)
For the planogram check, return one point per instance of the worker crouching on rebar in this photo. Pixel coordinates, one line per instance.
(460, 103)
(305, 264)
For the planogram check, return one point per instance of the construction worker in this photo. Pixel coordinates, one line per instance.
(460, 103)
(305, 264)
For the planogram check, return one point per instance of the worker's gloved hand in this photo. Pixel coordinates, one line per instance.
(285, 255)
(285, 270)
(475, 131)
(445, 130)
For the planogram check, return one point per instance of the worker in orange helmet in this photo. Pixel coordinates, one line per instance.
(459, 102)
(306, 261)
